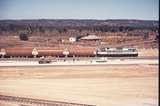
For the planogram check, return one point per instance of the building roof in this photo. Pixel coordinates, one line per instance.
(90, 37)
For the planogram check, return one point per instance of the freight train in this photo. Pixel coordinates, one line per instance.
(29, 52)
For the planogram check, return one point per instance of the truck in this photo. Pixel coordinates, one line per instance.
(44, 61)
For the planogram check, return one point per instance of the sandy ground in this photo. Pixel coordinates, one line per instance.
(148, 52)
(114, 85)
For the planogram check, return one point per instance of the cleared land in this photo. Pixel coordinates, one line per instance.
(118, 85)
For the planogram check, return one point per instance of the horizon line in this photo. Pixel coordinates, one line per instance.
(77, 19)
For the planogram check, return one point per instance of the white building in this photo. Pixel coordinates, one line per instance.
(72, 39)
(91, 38)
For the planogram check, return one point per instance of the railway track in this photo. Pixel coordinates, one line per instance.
(37, 102)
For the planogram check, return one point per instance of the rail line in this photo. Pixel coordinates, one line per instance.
(39, 102)
(81, 58)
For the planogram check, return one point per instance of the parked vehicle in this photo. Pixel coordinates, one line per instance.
(44, 61)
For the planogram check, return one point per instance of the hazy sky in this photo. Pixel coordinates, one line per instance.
(79, 9)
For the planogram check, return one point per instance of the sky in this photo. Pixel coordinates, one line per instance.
(79, 9)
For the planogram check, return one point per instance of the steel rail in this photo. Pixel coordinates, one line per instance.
(40, 102)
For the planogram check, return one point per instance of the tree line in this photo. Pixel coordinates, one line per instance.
(60, 29)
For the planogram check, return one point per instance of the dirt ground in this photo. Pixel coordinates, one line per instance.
(148, 52)
(112, 85)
